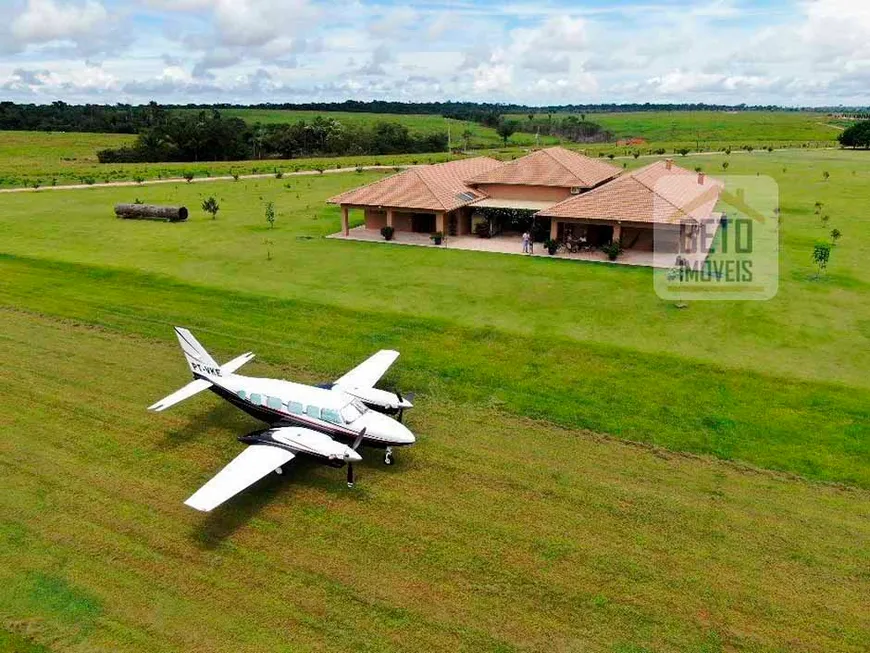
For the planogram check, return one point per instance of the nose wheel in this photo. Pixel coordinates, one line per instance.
(388, 456)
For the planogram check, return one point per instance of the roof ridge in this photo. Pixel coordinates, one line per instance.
(429, 188)
(653, 190)
(549, 153)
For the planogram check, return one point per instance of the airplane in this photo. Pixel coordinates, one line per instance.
(303, 420)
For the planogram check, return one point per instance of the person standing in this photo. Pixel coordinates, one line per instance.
(527, 241)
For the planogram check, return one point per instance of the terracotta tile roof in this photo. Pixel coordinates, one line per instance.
(553, 166)
(438, 187)
(652, 194)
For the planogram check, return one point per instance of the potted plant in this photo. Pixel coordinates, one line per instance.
(551, 246)
(437, 237)
(387, 232)
(613, 249)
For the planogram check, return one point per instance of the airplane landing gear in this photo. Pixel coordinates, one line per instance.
(388, 456)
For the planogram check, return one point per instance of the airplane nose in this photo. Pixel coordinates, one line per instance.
(402, 434)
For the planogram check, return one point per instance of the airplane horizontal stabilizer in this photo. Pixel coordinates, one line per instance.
(180, 395)
(231, 366)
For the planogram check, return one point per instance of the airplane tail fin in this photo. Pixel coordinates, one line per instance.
(199, 360)
(201, 364)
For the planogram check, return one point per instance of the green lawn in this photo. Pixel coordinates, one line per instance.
(597, 470)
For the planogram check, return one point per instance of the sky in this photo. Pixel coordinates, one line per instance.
(537, 52)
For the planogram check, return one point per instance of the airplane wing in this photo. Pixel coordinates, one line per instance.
(367, 373)
(251, 465)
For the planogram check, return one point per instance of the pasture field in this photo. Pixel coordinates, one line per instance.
(28, 158)
(710, 130)
(597, 470)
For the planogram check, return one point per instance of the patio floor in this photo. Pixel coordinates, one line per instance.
(502, 244)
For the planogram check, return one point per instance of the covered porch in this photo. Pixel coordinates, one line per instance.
(499, 244)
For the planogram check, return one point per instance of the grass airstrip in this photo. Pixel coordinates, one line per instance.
(596, 470)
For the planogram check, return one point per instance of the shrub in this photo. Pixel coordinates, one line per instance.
(270, 214)
(279, 175)
(613, 249)
(235, 176)
(188, 176)
(139, 179)
(821, 256)
(683, 151)
(210, 205)
(437, 237)
(387, 232)
(552, 246)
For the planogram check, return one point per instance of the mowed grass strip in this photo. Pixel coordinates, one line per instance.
(493, 533)
(813, 429)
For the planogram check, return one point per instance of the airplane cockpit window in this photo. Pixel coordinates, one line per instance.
(352, 412)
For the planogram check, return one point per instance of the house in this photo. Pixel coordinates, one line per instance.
(446, 196)
(566, 194)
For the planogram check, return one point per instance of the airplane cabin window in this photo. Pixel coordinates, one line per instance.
(313, 411)
(331, 416)
(274, 403)
(254, 398)
(243, 394)
(294, 407)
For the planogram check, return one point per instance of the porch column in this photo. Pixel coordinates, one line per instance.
(345, 225)
(554, 229)
(439, 221)
(389, 217)
(617, 232)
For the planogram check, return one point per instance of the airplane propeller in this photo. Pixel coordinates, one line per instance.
(354, 446)
(400, 401)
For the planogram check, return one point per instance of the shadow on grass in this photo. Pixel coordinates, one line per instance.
(222, 417)
(225, 520)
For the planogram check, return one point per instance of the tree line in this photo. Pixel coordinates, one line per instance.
(132, 119)
(208, 136)
(856, 136)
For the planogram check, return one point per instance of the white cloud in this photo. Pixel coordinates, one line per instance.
(44, 21)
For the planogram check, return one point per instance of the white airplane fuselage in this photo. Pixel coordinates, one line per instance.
(333, 412)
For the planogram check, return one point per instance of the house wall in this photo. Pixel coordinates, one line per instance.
(522, 192)
(375, 219)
